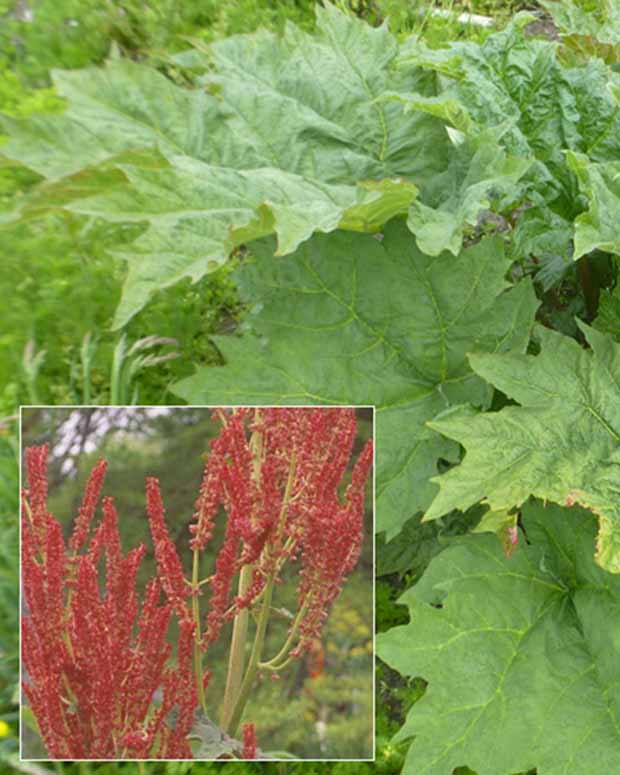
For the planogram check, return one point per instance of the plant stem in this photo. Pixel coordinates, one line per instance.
(116, 382)
(257, 647)
(281, 655)
(236, 657)
(197, 636)
(261, 628)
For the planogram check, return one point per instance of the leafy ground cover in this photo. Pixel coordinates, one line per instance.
(430, 226)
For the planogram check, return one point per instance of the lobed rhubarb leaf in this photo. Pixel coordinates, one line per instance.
(541, 109)
(562, 444)
(599, 19)
(521, 654)
(598, 228)
(266, 143)
(349, 319)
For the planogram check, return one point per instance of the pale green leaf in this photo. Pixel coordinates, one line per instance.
(198, 213)
(349, 319)
(283, 135)
(544, 109)
(561, 444)
(120, 107)
(599, 19)
(608, 316)
(599, 227)
(479, 171)
(521, 654)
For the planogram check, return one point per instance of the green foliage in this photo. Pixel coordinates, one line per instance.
(560, 444)
(9, 592)
(500, 151)
(598, 19)
(361, 289)
(59, 259)
(76, 33)
(215, 181)
(520, 654)
(410, 551)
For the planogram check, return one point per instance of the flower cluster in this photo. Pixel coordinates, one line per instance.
(249, 742)
(169, 567)
(95, 656)
(89, 672)
(278, 473)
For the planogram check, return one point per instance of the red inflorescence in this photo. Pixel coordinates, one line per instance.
(249, 742)
(94, 658)
(89, 504)
(169, 566)
(306, 451)
(89, 673)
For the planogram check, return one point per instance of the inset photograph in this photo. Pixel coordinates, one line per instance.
(197, 583)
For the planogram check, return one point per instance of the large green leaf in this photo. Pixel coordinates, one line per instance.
(608, 317)
(521, 655)
(542, 108)
(479, 171)
(284, 135)
(599, 19)
(599, 227)
(349, 319)
(561, 444)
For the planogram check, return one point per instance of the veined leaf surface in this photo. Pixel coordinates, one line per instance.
(600, 21)
(599, 227)
(543, 109)
(284, 135)
(521, 654)
(351, 320)
(561, 444)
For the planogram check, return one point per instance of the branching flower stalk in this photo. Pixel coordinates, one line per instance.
(95, 657)
(277, 472)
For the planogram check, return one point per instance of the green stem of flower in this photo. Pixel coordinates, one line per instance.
(261, 627)
(236, 657)
(248, 680)
(281, 656)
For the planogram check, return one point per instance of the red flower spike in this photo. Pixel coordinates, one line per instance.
(36, 502)
(89, 504)
(169, 565)
(89, 676)
(330, 537)
(249, 742)
(187, 695)
(94, 658)
(225, 569)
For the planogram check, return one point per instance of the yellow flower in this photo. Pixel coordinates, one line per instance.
(5, 729)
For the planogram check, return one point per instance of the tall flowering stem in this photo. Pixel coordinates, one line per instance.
(279, 473)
